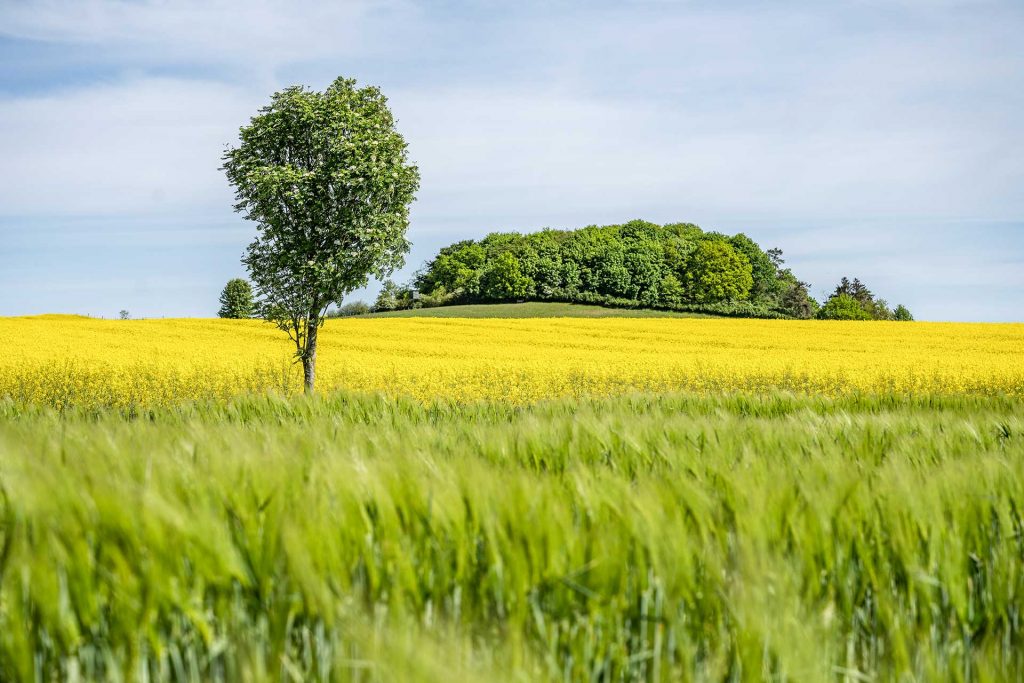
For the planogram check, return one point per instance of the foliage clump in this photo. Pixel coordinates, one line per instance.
(393, 297)
(852, 300)
(843, 307)
(350, 309)
(902, 314)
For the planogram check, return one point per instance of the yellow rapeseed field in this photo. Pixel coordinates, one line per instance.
(70, 360)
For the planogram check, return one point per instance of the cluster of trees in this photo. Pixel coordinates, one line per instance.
(852, 300)
(675, 266)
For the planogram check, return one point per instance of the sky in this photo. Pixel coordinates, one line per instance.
(871, 139)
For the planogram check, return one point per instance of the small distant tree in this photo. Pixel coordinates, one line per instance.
(388, 298)
(856, 289)
(860, 292)
(236, 300)
(124, 315)
(902, 314)
(326, 178)
(876, 307)
(843, 307)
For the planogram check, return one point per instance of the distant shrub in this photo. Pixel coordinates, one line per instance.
(392, 297)
(351, 308)
(732, 309)
(439, 297)
(902, 314)
(843, 307)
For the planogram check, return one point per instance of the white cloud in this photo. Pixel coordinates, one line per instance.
(260, 32)
(145, 146)
(726, 110)
(153, 145)
(501, 149)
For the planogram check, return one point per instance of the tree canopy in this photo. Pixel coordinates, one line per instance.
(326, 178)
(843, 307)
(236, 299)
(852, 300)
(677, 266)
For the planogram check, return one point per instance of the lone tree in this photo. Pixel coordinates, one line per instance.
(326, 178)
(236, 299)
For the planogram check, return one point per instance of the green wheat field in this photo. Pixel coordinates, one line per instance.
(640, 538)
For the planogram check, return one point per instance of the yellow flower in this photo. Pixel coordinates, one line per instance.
(70, 360)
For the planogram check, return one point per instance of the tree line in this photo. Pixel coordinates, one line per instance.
(641, 264)
(638, 264)
(677, 266)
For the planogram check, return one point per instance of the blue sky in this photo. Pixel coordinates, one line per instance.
(883, 140)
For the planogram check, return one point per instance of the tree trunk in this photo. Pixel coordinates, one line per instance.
(309, 357)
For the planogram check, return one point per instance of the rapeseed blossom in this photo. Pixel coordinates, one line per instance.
(71, 360)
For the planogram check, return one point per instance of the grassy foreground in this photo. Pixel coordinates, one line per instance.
(635, 538)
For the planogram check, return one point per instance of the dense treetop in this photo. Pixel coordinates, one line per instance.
(852, 300)
(674, 266)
